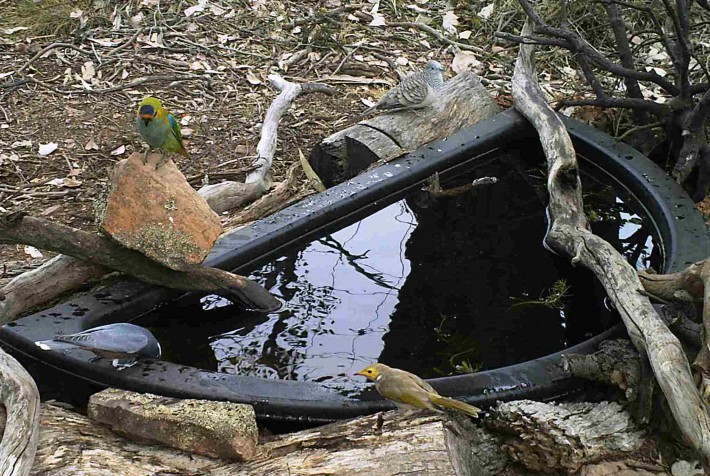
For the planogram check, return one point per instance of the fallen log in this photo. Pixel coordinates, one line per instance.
(463, 101)
(517, 434)
(20, 398)
(39, 286)
(568, 233)
(19, 228)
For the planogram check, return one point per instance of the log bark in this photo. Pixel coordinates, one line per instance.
(20, 397)
(569, 234)
(563, 438)
(616, 363)
(377, 445)
(55, 277)
(44, 234)
(463, 101)
(224, 430)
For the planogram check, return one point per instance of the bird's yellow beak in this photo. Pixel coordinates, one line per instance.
(369, 373)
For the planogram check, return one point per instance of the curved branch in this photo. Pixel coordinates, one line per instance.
(578, 45)
(629, 103)
(568, 233)
(266, 149)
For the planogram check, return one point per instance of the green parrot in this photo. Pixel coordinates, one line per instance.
(159, 129)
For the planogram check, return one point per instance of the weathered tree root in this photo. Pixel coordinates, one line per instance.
(569, 233)
(616, 363)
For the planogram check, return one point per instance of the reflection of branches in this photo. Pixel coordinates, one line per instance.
(352, 259)
(635, 245)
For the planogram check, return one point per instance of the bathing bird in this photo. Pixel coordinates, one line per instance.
(124, 343)
(416, 91)
(159, 129)
(410, 392)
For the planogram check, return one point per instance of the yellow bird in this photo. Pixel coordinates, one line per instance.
(410, 392)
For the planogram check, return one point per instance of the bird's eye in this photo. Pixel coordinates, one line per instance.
(369, 371)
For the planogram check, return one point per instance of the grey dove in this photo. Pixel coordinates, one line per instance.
(123, 342)
(416, 91)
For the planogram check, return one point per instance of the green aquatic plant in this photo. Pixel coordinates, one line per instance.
(554, 299)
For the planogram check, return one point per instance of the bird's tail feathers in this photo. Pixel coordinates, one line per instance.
(455, 405)
(183, 152)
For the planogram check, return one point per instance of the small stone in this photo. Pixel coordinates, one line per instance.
(158, 213)
(217, 429)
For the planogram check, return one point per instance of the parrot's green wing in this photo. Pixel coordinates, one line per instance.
(175, 127)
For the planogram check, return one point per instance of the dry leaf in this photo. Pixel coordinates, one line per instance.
(91, 145)
(465, 35)
(88, 71)
(201, 4)
(119, 150)
(10, 31)
(57, 182)
(46, 149)
(71, 182)
(486, 11)
(48, 211)
(449, 21)
(252, 78)
(33, 252)
(136, 20)
(464, 61)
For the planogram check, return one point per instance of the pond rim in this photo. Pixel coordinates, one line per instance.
(679, 226)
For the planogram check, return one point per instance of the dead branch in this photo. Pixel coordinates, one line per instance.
(267, 144)
(17, 228)
(20, 397)
(569, 234)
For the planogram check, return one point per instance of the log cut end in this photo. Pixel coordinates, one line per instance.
(158, 213)
(462, 102)
(218, 429)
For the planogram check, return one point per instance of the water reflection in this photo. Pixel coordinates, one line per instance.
(437, 286)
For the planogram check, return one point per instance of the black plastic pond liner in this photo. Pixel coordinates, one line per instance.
(679, 226)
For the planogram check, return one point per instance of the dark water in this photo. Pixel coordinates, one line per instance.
(434, 286)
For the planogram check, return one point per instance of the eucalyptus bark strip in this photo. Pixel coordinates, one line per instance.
(569, 234)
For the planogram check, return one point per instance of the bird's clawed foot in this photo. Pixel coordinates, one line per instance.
(145, 156)
(163, 158)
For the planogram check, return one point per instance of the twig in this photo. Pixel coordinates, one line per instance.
(48, 48)
(320, 17)
(126, 44)
(437, 35)
(638, 129)
(132, 84)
